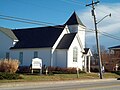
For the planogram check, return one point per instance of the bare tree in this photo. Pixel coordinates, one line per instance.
(102, 49)
(109, 60)
(104, 55)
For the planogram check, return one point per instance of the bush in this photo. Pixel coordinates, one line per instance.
(23, 69)
(9, 65)
(59, 70)
(94, 69)
(119, 68)
(9, 76)
(116, 72)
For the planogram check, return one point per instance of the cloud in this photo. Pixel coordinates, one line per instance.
(110, 25)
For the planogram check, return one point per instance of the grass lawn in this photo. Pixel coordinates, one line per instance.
(60, 77)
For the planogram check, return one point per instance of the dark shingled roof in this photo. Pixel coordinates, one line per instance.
(115, 47)
(86, 50)
(40, 37)
(66, 41)
(74, 20)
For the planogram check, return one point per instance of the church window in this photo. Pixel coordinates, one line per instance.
(35, 54)
(75, 54)
(21, 57)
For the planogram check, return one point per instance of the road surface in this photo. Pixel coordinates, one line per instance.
(66, 85)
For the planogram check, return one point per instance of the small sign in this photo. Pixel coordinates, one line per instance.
(36, 63)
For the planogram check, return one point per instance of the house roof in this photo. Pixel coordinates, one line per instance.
(66, 41)
(74, 20)
(86, 50)
(41, 37)
(8, 32)
(115, 47)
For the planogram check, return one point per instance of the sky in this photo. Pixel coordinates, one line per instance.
(57, 12)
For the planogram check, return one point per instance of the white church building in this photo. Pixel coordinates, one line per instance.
(57, 46)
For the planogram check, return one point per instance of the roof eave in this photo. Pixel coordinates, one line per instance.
(9, 33)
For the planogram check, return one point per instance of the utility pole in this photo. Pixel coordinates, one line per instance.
(97, 39)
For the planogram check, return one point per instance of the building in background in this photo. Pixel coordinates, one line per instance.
(114, 53)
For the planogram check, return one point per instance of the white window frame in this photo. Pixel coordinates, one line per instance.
(7, 55)
(75, 54)
(35, 54)
(21, 57)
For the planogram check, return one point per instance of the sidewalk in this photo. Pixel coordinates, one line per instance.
(44, 83)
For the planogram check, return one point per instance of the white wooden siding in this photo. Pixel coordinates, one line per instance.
(61, 60)
(81, 33)
(5, 43)
(70, 55)
(28, 55)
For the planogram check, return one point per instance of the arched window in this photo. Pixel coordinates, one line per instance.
(75, 54)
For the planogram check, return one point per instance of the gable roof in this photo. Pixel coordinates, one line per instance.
(74, 20)
(66, 41)
(8, 32)
(40, 37)
(86, 50)
(115, 47)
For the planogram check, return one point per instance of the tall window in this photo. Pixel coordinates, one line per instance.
(35, 54)
(7, 55)
(21, 57)
(75, 54)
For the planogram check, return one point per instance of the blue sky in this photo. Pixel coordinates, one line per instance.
(58, 11)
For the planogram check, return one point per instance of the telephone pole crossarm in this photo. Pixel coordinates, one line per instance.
(93, 3)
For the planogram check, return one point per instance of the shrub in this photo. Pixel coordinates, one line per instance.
(59, 70)
(23, 69)
(9, 76)
(116, 72)
(94, 70)
(119, 68)
(9, 65)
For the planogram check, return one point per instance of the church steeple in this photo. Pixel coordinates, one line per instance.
(74, 20)
(75, 25)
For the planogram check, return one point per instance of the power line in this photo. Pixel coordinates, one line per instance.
(29, 21)
(105, 34)
(24, 19)
(74, 2)
(87, 1)
(101, 10)
(38, 5)
(78, 3)
(5, 18)
(109, 35)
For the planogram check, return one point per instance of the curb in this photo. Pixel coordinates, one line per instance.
(44, 83)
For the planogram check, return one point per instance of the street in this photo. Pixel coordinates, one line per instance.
(66, 85)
